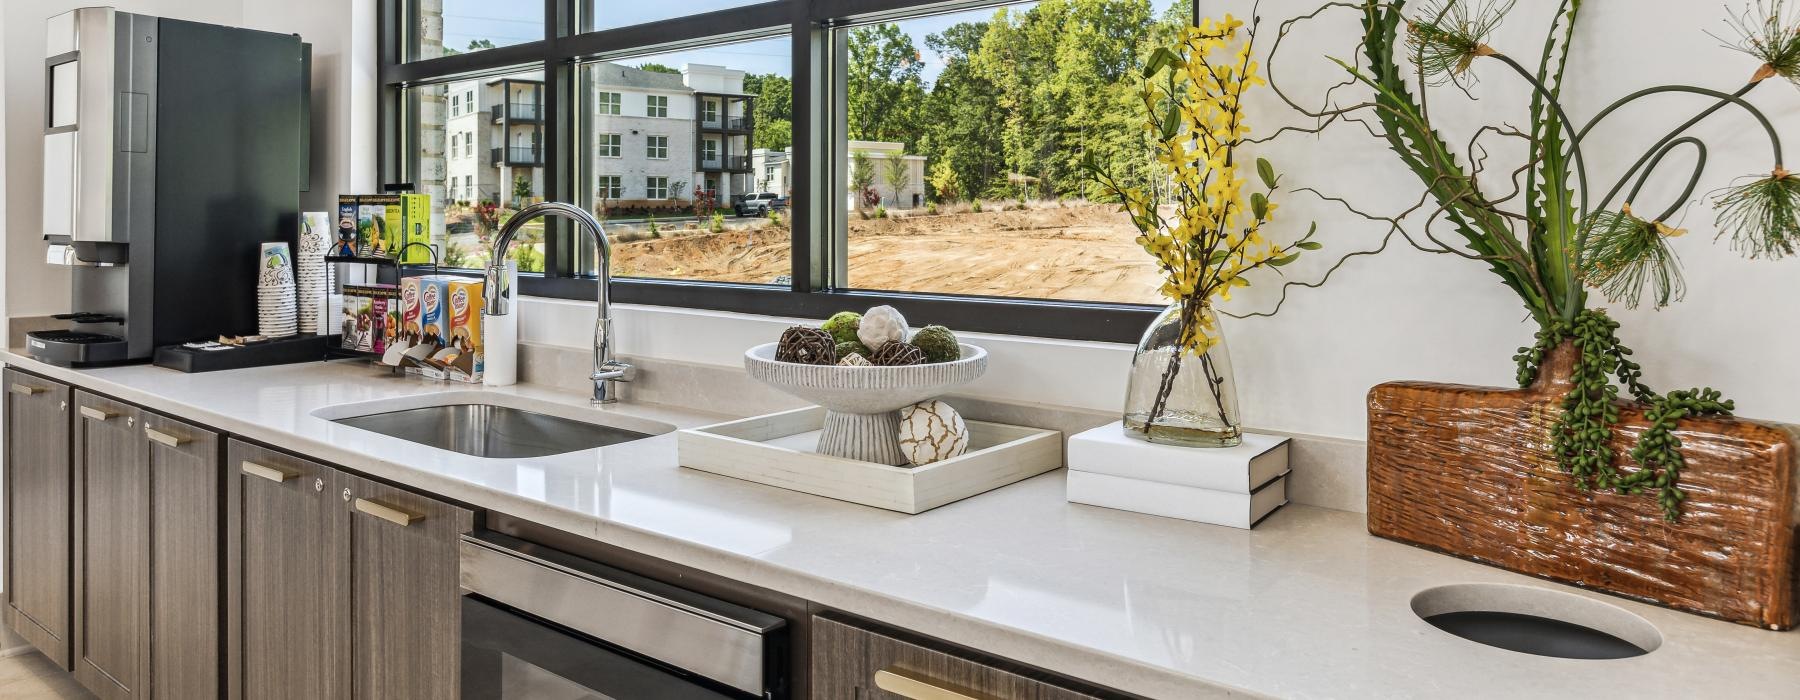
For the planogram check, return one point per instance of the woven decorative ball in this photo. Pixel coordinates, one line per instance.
(898, 354)
(932, 432)
(806, 346)
(855, 359)
(880, 326)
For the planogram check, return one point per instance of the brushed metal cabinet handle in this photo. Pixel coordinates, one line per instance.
(26, 389)
(266, 472)
(95, 413)
(915, 687)
(388, 513)
(164, 438)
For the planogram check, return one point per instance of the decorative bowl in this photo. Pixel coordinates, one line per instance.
(862, 403)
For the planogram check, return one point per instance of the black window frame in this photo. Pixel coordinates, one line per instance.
(813, 26)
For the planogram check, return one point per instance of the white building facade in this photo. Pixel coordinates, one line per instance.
(494, 135)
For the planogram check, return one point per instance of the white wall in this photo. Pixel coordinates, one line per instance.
(342, 33)
(1407, 314)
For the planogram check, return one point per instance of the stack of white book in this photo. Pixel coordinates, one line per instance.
(1231, 486)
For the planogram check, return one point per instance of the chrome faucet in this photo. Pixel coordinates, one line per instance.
(498, 300)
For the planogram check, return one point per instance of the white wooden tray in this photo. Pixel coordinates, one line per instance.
(779, 450)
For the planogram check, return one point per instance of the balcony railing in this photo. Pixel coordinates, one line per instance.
(516, 155)
(726, 123)
(736, 164)
(517, 111)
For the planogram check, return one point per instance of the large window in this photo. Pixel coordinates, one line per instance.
(924, 157)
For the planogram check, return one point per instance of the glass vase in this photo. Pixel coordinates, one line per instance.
(1177, 397)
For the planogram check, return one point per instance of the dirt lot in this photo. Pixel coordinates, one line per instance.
(1083, 252)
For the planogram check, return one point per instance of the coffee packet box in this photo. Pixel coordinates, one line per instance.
(415, 243)
(465, 329)
(410, 329)
(434, 309)
(382, 299)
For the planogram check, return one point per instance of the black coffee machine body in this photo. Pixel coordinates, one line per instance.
(172, 151)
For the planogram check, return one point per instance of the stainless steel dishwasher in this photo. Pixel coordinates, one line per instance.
(545, 625)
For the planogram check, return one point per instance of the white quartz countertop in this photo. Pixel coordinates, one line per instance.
(1307, 605)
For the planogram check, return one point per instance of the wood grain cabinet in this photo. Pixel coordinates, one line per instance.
(285, 577)
(147, 553)
(39, 520)
(854, 661)
(340, 587)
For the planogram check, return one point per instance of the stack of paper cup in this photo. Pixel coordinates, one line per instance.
(275, 309)
(311, 273)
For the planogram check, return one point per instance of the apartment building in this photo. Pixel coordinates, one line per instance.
(661, 136)
(494, 135)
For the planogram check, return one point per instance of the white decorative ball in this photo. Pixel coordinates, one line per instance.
(932, 432)
(855, 360)
(880, 326)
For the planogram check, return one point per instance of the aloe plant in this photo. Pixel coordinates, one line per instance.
(1557, 235)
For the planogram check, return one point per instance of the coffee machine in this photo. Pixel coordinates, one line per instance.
(172, 151)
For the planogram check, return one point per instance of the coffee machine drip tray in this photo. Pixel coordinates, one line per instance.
(70, 348)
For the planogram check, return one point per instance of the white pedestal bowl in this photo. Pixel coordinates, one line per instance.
(862, 403)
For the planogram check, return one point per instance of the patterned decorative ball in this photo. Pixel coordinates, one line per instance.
(842, 326)
(898, 354)
(932, 432)
(853, 347)
(880, 326)
(938, 343)
(855, 360)
(807, 346)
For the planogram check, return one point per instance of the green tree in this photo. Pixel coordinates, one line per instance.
(774, 112)
(959, 140)
(658, 68)
(479, 44)
(884, 85)
(521, 190)
(898, 175)
(862, 177)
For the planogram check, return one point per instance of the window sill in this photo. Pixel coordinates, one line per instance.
(1065, 320)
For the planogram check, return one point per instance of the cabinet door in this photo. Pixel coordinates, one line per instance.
(288, 546)
(407, 606)
(112, 549)
(852, 662)
(186, 492)
(39, 501)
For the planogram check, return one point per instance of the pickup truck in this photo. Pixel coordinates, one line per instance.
(759, 204)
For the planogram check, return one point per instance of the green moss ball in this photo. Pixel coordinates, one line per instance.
(938, 343)
(853, 346)
(842, 326)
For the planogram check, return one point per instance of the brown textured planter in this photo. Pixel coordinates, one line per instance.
(1468, 471)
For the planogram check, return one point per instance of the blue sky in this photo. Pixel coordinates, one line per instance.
(516, 21)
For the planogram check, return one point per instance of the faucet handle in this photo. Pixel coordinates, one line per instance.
(615, 371)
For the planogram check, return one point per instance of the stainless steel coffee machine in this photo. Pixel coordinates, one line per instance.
(172, 150)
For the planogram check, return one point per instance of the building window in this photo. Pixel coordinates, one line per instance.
(609, 187)
(455, 141)
(709, 111)
(608, 103)
(656, 187)
(609, 145)
(656, 147)
(709, 151)
(469, 100)
(455, 105)
(469, 145)
(656, 105)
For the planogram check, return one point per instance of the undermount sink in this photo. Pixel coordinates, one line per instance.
(484, 429)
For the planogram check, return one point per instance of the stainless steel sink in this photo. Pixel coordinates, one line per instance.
(486, 430)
